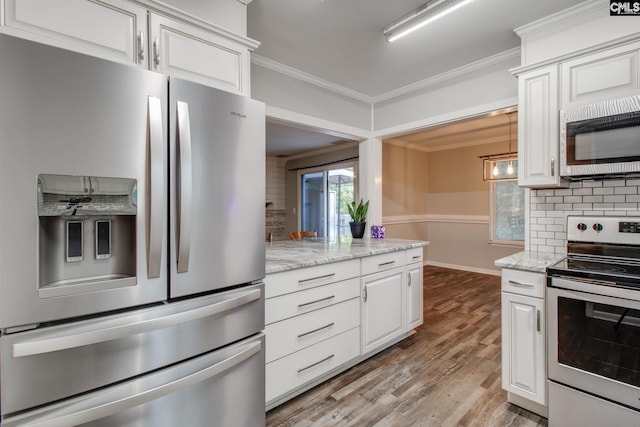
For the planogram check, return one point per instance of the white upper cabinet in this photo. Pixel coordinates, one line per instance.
(157, 37)
(600, 76)
(538, 131)
(114, 30)
(201, 56)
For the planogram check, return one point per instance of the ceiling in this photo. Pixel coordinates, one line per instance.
(342, 42)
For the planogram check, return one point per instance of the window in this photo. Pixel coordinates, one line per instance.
(507, 212)
(324, 195)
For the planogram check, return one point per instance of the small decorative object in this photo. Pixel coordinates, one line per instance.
(377, 231)
(358, 214)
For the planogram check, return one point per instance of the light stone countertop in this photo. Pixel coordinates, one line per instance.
(292, 254)
(530, 261)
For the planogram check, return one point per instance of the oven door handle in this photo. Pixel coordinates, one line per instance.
(128, 395)
(79, 337)
(588, 280)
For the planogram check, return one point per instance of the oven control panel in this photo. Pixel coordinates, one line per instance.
(629, 227)
(604, 229)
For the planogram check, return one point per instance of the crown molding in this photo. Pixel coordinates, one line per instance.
(308, 78)
(560, 18)
(472, 67)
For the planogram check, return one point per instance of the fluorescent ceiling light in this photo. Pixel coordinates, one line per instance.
(421, 16)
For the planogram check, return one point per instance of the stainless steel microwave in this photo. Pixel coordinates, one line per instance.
(601, 138)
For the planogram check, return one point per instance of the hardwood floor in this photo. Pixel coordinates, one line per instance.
(447, 374)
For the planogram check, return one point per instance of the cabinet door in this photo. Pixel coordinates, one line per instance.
(198, 55)
(414, 296)
(382, 308)
(523, 347)
(538, 131)
(111, 29)
(604, 75)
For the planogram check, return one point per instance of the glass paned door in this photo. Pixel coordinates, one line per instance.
(324, 198)
(312, 202)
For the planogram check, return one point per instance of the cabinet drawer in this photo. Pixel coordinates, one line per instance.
(383, 262)
(415, 255)
(286, 306)
(286, 374)
(303, 331)
(523, 282)
(304, 278)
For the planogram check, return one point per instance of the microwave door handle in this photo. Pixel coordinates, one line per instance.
(155, 209)
(185, 187)
(77, 337)
(120, 399)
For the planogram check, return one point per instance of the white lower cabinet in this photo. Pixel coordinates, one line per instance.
(321, 320)
(287, 373)
(383, 297)
(524, 371)
(414, 305)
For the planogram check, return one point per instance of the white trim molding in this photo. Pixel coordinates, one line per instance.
(472, 67)
(508, 55)
(308, 78)
(283, 116)
(450, 117)
(450, 219)
(464, 268)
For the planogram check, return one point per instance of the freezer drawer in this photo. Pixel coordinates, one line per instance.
(61, 361)
(221, 388)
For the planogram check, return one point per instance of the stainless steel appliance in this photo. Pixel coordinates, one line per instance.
(131, 252)
(601, 138)
(593, 306)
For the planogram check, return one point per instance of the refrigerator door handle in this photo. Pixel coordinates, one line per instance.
(119, 399)
(185, 186)
(78, 336)
(156, 188)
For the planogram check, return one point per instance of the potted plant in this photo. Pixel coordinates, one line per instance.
(358, 214)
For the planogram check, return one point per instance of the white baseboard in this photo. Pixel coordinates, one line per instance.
(464, 267)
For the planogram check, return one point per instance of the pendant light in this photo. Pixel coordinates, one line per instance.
(500, 167)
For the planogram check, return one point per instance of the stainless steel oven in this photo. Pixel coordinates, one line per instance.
(593, 306)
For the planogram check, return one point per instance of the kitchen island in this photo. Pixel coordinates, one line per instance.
(329, 304)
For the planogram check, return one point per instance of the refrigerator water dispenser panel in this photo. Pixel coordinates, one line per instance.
(87, 234)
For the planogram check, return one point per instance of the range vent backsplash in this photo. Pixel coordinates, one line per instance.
(550, 207)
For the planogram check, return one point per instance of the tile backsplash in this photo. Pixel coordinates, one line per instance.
(550, 207)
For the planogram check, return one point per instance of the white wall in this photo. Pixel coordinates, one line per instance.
(282, 91)
(474, 93)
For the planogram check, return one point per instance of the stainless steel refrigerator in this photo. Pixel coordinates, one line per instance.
(131, 246)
